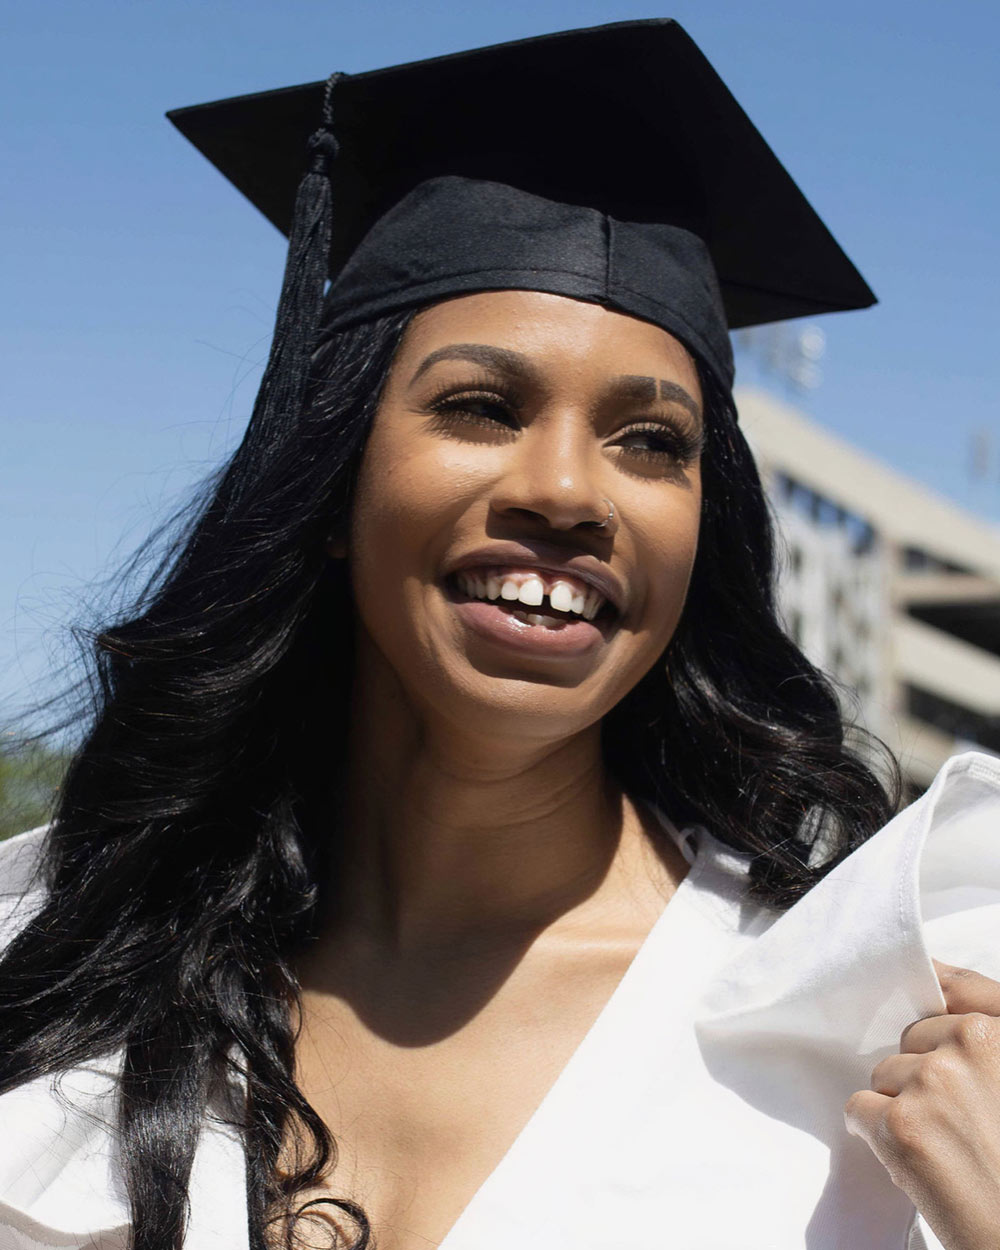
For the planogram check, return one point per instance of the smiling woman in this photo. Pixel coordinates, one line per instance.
(501, 458)
(461, 854)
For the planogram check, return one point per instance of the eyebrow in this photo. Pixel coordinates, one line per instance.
(630, 385)
(498, 358)
(646, 390)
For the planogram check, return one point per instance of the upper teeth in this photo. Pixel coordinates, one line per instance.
(530, 589)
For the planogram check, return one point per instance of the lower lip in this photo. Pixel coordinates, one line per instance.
(567, 640)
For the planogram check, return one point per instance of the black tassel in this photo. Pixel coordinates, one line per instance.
(278, 405)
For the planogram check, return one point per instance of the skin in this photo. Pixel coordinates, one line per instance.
(497, 882)
(932, 1114)
(465, 725)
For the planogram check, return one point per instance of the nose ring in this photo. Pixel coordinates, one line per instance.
(599, 525)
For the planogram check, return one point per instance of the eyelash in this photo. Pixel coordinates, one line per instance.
(681, 446)
(458, 407)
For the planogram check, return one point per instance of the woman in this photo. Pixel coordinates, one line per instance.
(368, 880)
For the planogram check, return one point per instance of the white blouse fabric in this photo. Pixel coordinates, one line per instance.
(704, 1107)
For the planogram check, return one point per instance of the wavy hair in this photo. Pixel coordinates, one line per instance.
(181, 865)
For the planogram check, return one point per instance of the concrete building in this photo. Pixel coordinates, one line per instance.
(888, 587)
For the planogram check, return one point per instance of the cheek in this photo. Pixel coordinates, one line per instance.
(410, 495)
(408, 483)
(671, 544)
(385, 530)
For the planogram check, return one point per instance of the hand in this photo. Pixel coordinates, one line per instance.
(932, 1115)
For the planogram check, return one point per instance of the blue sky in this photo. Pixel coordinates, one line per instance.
(139, 286)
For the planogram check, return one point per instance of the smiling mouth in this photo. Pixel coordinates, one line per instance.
(543, 599)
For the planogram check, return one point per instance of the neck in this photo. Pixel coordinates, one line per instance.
(451, 834)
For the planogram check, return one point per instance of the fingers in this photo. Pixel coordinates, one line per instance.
(931, 1114)
(967, 994)
(965, 991)
(892, 1075)
(971, 1030)
(864, 1116)
(923, 1036)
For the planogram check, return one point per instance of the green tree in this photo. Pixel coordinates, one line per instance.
(30, 776)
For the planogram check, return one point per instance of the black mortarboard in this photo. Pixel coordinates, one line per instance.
(608, 164)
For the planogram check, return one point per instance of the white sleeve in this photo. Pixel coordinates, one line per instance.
(21, 892)
(921, 1236)
(960, 900)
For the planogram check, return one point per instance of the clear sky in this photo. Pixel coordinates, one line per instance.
(139, 286)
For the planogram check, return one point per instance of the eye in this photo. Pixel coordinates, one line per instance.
(483, 408)
(658, 442)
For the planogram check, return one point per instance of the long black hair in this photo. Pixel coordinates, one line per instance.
(181, 865)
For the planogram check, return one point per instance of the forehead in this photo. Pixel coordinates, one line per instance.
(552, 330)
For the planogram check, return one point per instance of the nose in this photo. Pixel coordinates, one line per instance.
(555, 476)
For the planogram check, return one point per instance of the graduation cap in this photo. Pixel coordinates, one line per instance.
(609, 164)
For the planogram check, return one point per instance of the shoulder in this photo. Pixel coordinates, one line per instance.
(22, 890)
(930, 877)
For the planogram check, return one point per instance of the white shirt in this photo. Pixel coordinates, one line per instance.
(703, 1110)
